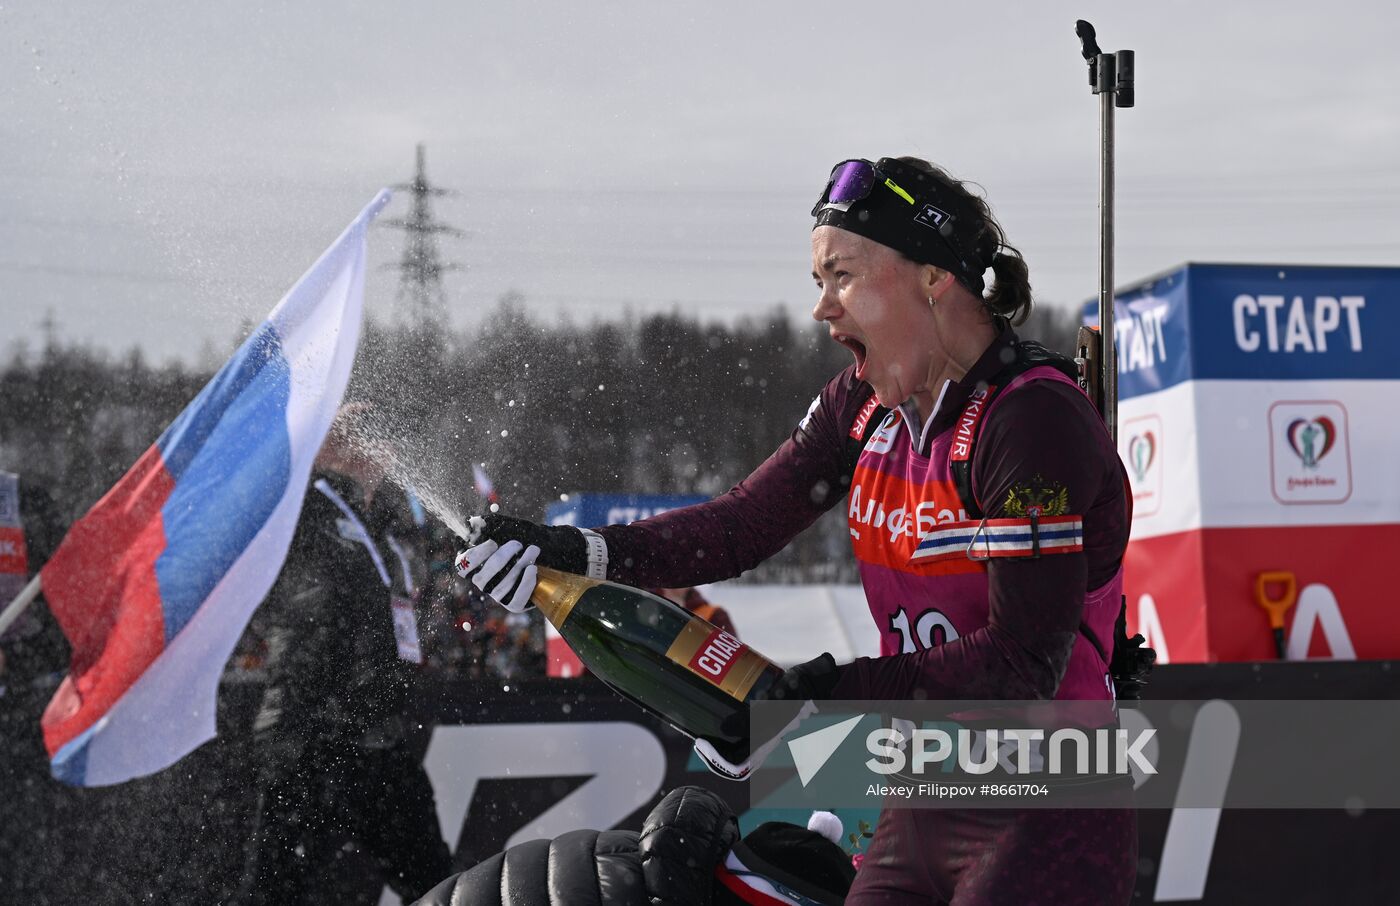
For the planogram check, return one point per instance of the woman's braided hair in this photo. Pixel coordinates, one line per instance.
(1010, 295)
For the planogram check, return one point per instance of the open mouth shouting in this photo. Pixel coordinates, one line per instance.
(857, 348)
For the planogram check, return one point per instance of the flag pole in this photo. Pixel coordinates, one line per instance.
(17, 606)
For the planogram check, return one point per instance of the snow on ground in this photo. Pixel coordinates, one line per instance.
(790, 624)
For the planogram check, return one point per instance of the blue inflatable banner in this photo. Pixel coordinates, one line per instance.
(587, 510)
(1256, 322)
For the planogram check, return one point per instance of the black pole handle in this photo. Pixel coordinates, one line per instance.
(1089, 46)
(1120, 76)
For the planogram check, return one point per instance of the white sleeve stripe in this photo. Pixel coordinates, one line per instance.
(597, 554)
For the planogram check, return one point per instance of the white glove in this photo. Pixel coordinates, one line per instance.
(509, 570)
(730, 771)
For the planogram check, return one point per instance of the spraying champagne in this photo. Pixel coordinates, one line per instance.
(671, 662)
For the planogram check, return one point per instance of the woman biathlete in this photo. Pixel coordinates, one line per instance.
(986, 507)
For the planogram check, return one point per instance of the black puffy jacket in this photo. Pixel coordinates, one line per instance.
(670, 863)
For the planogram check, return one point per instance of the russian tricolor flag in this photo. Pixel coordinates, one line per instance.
(155, 585)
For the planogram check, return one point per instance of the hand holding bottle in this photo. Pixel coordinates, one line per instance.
(505, 572)
(501, 561)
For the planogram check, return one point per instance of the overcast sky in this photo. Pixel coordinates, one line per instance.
(170, 169)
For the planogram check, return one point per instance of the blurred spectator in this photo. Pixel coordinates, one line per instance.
(34, 653)
(342, 654)
(693, 601)
(457, 628)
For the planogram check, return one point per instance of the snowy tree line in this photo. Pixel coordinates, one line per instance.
(661, 404)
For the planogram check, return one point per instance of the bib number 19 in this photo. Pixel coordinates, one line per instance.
(931, 628)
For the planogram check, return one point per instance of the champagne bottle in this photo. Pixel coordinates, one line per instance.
(669, 661)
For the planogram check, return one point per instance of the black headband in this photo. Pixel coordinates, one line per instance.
(937, 228)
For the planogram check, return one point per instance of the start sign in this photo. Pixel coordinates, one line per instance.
(1257, 430)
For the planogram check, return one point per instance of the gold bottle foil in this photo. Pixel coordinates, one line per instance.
(556, 593)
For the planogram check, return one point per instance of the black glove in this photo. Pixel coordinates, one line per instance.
(562, 547)
(812, 681)
(501, 561)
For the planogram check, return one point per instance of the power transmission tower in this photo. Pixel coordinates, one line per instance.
(50, 327)
(421, 269)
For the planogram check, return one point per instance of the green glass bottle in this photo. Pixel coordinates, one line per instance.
(669, 661)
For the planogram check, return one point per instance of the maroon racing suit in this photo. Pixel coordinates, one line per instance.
(1027, 620)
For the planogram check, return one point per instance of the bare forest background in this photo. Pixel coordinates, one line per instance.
(662, 404)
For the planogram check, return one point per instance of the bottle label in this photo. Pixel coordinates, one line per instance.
(717, 657)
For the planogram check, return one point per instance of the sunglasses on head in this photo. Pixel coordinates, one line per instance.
(852, 181)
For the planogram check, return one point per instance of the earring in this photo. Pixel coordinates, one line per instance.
(930, 301)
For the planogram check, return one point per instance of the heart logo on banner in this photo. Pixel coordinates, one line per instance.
(1304, 436)
(1142, 449)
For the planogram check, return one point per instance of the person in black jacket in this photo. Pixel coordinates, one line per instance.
(688, 853)
(330, 735)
